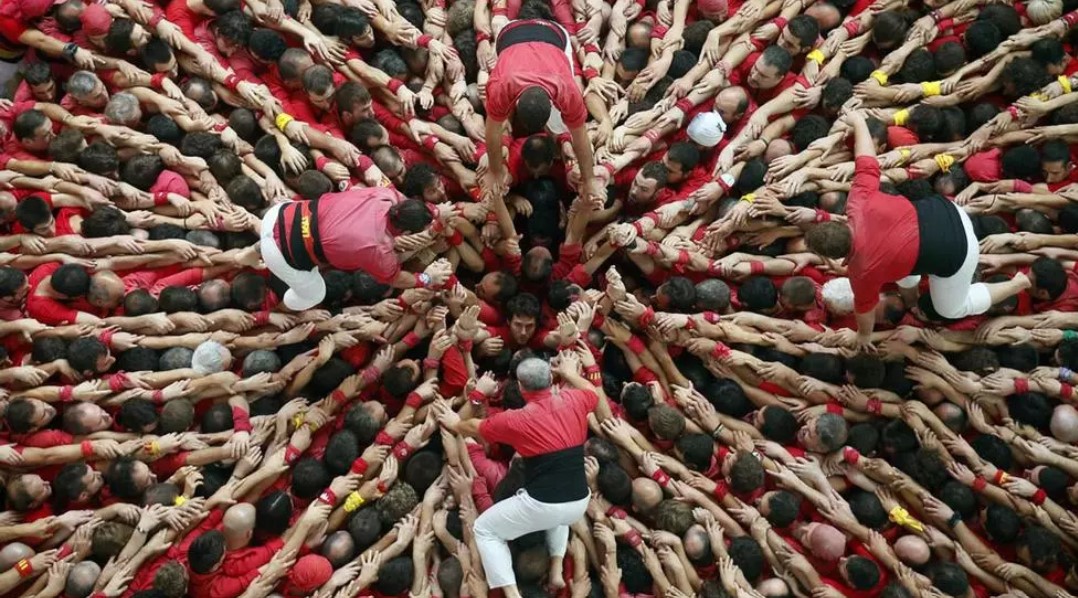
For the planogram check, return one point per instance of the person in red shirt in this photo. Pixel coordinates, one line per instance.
(352, 230)
(549, 434)
(534, 84)
(889, 239)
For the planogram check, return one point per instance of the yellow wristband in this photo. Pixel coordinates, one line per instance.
(816, 56)
(945, 161)
(903, 156)
(931, 88)
(1065, 83)
(901, 117)
(1039, 96)
(179, 500)
(879, 76)
(748, 197)
(298, 420)
(152, 447)
(354, 501)
(902, 517)
(282, 121)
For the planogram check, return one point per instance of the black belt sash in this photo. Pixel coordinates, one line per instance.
(556, 477)
(301, 244)
(534, 30)
(943, 237)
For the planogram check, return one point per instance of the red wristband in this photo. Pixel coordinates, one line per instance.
(822, 215)
(410, 340)
(653, 217)
(476, 398)
(590, 73)
(636, 346)
(430, 142)
(852, 27)
(780, 22)
(851, 455)
(241, 420)
(661, 477)
(875, 406)
(106, 337)
(158, 396)
(1066, 391)
(834, 408)
(590, 48)
(394, 85)
(481, 36)
(756, 267)
(67, 393)
(979, 483)
(338, 397)
(384, 439)
(632, 537)
(24, 568)
(431, 363)
(262, 318)
(232, 82)
(999, 476)
(466, 346)
(721, 351)
(359, 466)
(721, 490)
(414, 400)
(87, 448)
(1071, 18)
(616, 513)
(291, 453)
(328, 497)
(455, 239)
(1013, 111)
(651, 249)
(499, 11)
(1021, 385)
(402, 450)
(424, 41)
(320, 163)
(156, 80)
(369, 376)
(1039, 497)
(1022, 187)
(647, 317)
(117, 381)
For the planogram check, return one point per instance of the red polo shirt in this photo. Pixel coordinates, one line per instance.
(886, 239)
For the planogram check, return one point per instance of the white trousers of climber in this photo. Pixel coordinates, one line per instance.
(957, 296)
(517, 516)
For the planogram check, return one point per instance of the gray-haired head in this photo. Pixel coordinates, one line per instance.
(712, 295)
(13, 553)
(211, 357)
(534, 374)
(123, 109)
(81, 84)
(81, 579)
(176, 358)
(259, 361)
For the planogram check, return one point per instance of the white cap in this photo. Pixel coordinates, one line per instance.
(707, 129)
(838, 296)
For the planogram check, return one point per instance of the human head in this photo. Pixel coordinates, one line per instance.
(81, 579)
(770, 68)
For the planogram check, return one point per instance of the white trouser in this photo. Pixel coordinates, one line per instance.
(306, 288)
(956, 296)
(514, 517)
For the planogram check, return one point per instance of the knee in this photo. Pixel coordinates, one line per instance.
(483, 530)
(951, 310)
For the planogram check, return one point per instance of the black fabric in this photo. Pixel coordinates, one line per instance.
(291, 238)
(556, 477)
(943, 238)
(522, 32)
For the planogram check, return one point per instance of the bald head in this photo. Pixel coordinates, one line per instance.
(339, 548)
(239, 523)
(913, 550)
(647, 494)
(731, 103)
(214, 295)
(81, 579)
(1064, 424)
(825, 14)
(13, 553)
(697, 544)
(773, 588)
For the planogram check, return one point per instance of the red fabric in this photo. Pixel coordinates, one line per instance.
(546, 424)
(183, 17)
(985, 167)
(886, 239)
(534, 64)
(901, 137)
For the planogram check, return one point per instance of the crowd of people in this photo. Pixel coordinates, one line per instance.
(539, 298)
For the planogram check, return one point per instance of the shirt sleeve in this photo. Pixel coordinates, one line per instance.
(866, 292)
(183, 278)
(498, 428)
(866, 178)
(252, 558)
(386, 266)
(568, 258)
(225, 586)
(49, 311)
(48, 439)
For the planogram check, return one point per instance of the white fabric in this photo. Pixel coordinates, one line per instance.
(957, 296)
(514, 517)
(707, 129)
(305, 289)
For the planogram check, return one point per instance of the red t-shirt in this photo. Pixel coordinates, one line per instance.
(985, 167)
(886, 240)
(535, 64)
(549, 422)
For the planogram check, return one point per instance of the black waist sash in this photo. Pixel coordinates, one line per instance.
(556, 477)
(534, 30)
(301, 243)
(943, 237)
